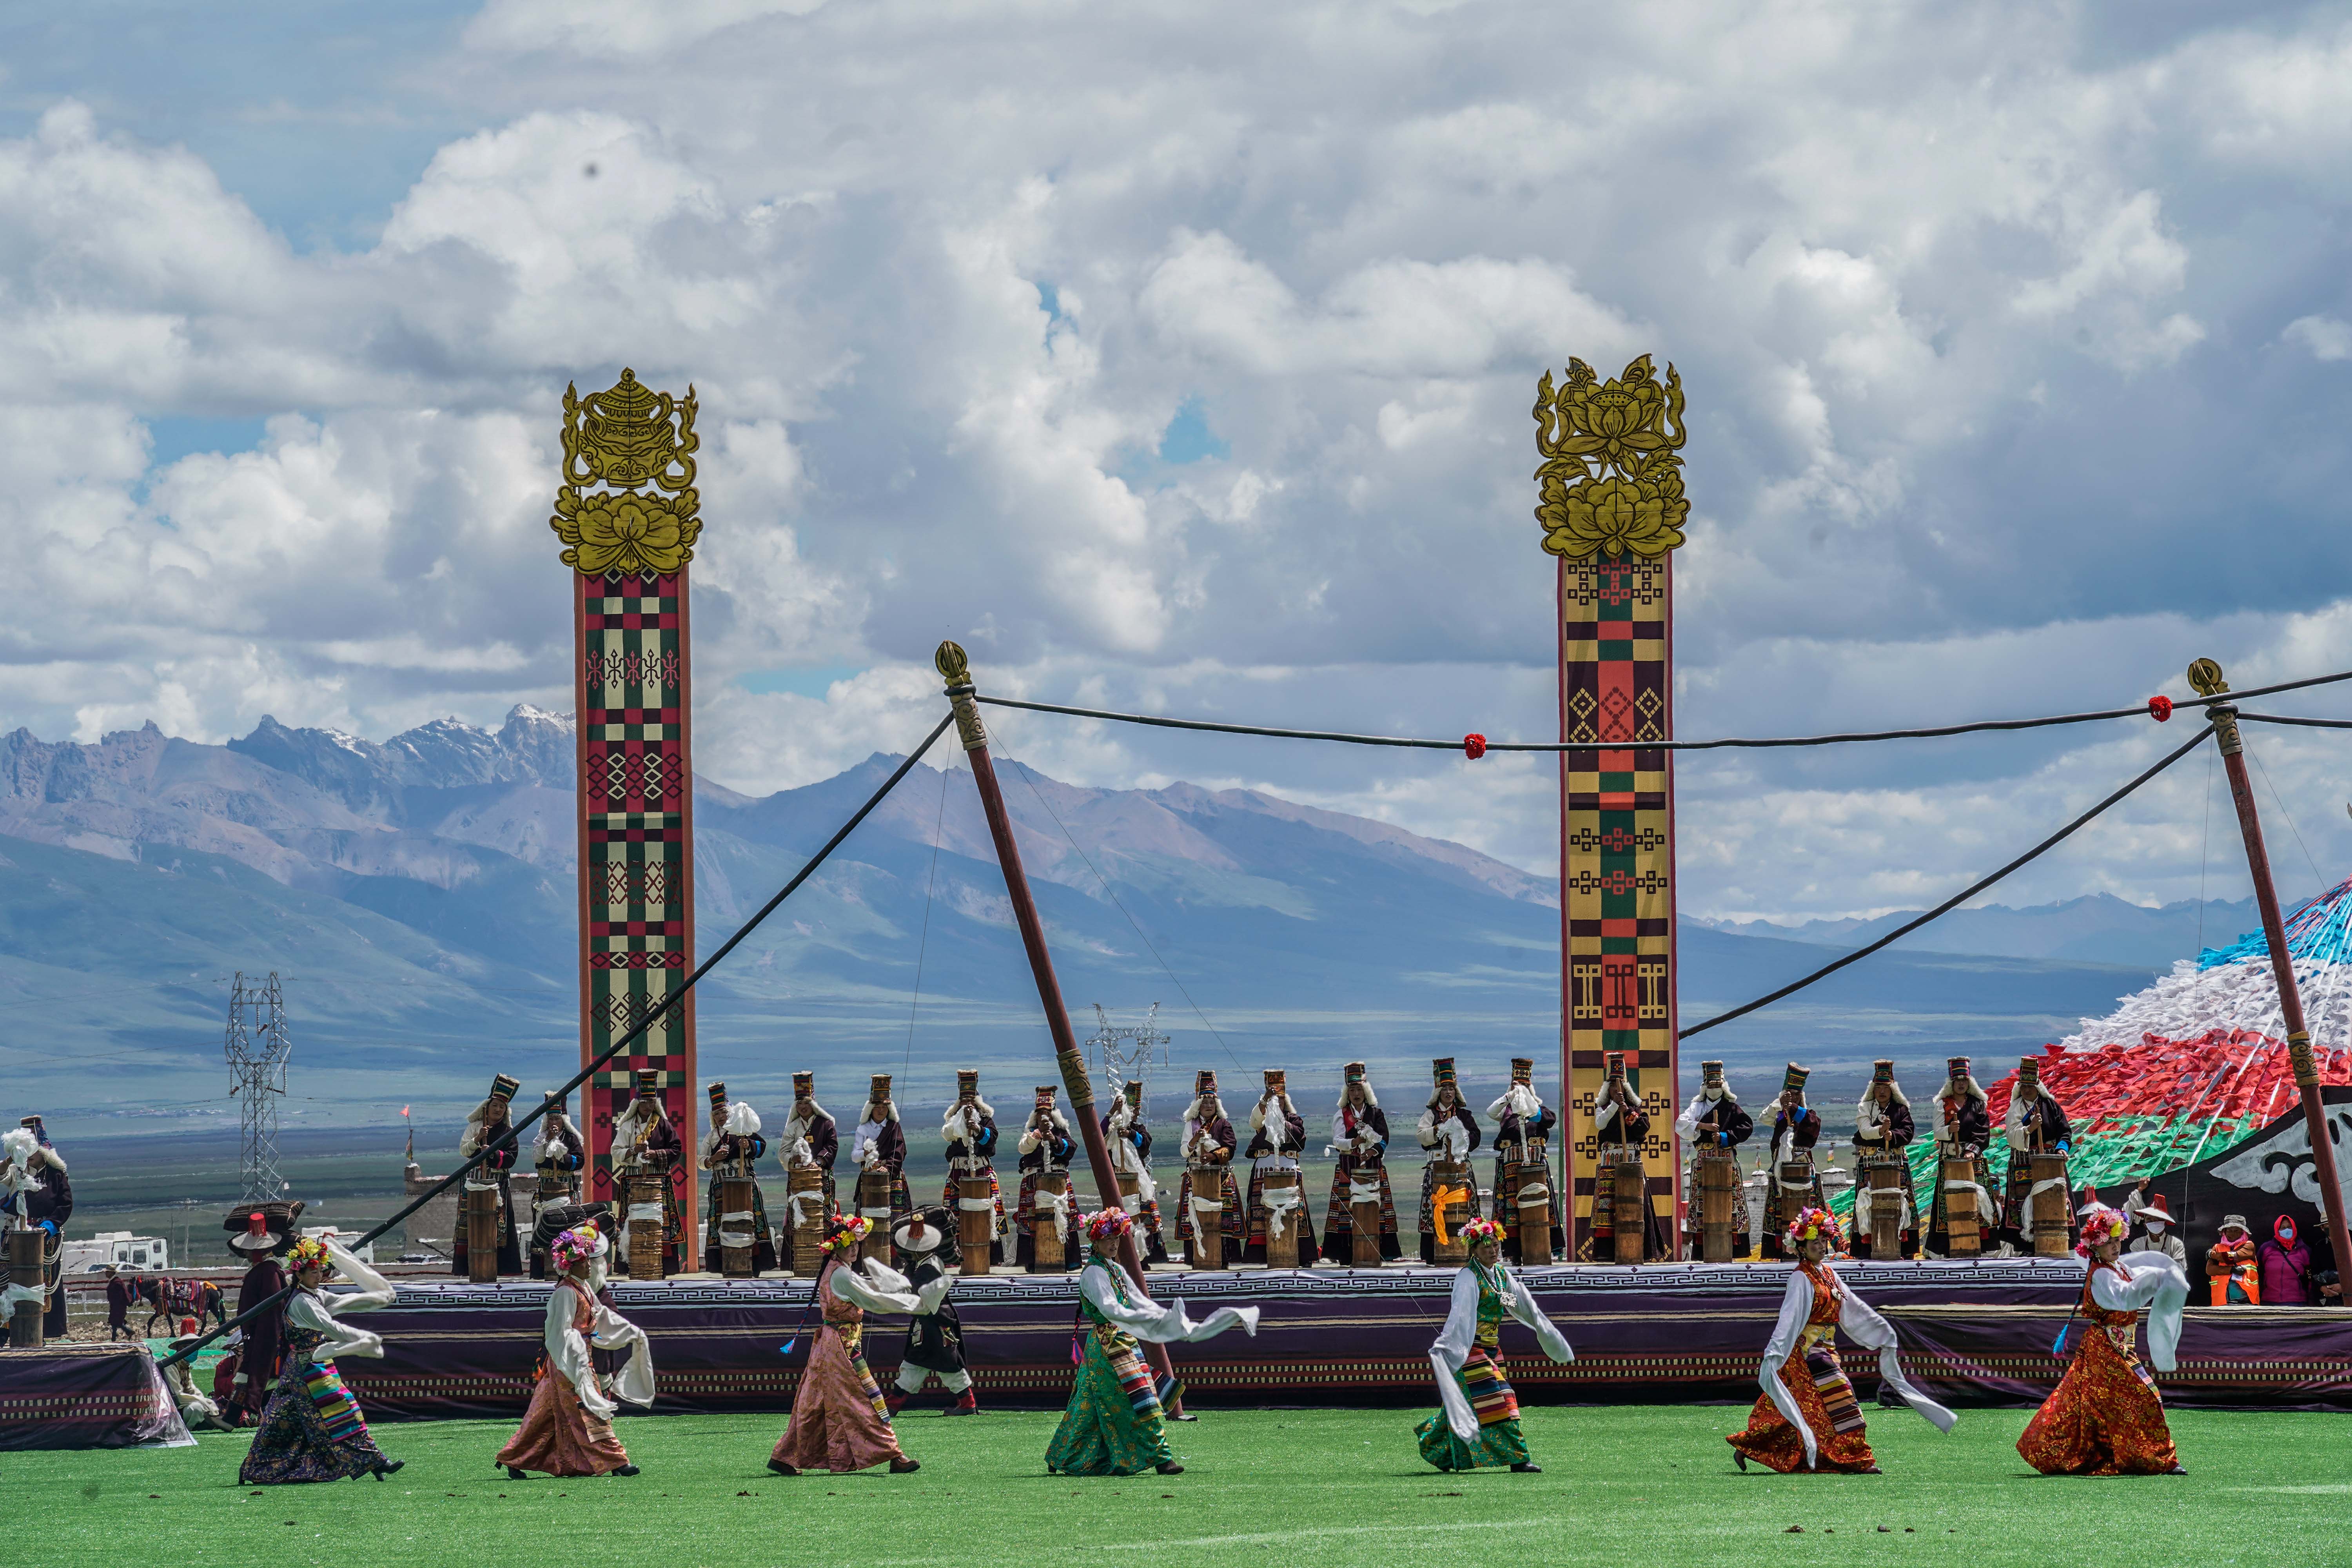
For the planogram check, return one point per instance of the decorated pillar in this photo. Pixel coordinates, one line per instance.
(626, 512)
(1612, 505)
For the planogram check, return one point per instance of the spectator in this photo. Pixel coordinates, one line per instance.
(195, 1408)
(119, 1294)
(224, 1372)
(2155, 1233)
(2230, 1266)
(2286, 1267)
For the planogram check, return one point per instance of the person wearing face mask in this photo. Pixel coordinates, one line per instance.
(2285, 1264)
(2154, 1230)
(568, 1430)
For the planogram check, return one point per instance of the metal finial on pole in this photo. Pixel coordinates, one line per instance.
(2205, 677)
(956, 671)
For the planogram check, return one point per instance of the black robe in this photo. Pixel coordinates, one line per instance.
(1293, 1139)
(1507, 1153)
(505, 1153)
(934, 1340)
(1803, 1131)
(1473, 1209)
(259, 1360)
(1627, 1130)
(1151, 1243)
(984, 1150)
(1733, 1127)
(1053, 1151)
(49, 1200)
(1900, 1130)
(748, 1148)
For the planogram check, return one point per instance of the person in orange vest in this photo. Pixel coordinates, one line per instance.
(2230, 1266)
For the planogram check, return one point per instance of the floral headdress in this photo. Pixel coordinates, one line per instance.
(847, 1232)
(572, 1247)
(1813, 1224)
(1107, 1225)
(2099, 1224)
(310, 1253)
(1476, 1232)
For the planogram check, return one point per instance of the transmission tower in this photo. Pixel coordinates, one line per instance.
(257, 1048)
(1124, 1051)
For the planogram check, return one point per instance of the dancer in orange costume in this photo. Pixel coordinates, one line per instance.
(568, 1430)
(2105, 1417)
(1815, 1422)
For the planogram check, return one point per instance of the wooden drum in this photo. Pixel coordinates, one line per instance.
(1047, 1242)
(481, 1222)
(1274, 1186)
(874, 1203)
(2050, 1215)
(1963, 1221)
(737, 1239)
(1527, 1184)
(1720, 1208)
(1883, 1175)
(644, 1196)
(1452, 1204)
(976, 1221)
(28, 1267)
(1629, 1206)
(805, 1216)
(1204, 1221)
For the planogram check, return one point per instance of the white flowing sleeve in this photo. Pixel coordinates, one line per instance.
(635, 1381)
(1686, 1124)
(2158, 1285)
(874, 1295)
(374, 1290)
(567, 1353)
(334, 1339)
(1452, 1349)
(1161, 1323)
(928, 1299)
(1864, 1326)
(1796, 1306)
(1522, 1303)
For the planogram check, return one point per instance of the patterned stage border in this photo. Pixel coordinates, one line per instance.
(1972, 1334)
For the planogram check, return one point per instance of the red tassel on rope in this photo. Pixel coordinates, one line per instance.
(2159, 708)
(1473, 746)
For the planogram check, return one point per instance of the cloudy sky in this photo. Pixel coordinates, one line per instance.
(1182, 361)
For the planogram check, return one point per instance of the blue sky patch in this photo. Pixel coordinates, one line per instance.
(798, 682)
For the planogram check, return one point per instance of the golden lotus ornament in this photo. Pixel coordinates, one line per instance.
(1611, 484)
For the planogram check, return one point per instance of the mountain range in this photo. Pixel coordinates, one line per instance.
(416, 896)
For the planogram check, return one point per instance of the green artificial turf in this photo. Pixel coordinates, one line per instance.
(1646, 1486)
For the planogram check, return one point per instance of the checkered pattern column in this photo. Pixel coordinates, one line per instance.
(637, 854)
(1617, 861)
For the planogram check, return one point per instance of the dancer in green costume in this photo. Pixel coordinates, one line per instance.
(1480, 1425)
(1113, 1426)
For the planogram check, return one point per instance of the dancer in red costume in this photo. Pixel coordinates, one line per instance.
(2105, 1417)
(1814, 1422)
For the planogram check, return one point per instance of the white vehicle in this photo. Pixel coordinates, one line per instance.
(118, 1249)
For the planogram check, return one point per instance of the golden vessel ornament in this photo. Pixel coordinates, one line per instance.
(627, 506)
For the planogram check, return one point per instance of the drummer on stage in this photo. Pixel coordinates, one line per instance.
(1713, 1119)
(1883, 1128)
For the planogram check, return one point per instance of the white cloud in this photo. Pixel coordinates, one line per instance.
(1975, 318)
(2327, 337)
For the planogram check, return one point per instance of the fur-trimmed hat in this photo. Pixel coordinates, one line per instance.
(647, 1083)
(1882, 1072)
(1523, 1070)
(877, 1092)
(1710, 1076)
(1794, 1078)
(1440, 1078)
(1612, 1066)
(1956, 1072)
(968, 1092)
(1204, 1088)
(1352, 1075)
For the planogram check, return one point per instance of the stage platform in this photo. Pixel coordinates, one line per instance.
(1975, 1334)
(71, 1395)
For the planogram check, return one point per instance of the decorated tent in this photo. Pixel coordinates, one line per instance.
(2193, 1066)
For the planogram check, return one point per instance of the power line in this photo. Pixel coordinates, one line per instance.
(1956, 899)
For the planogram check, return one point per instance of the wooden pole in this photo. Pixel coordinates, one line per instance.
(2205, 677)
(954, 665)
